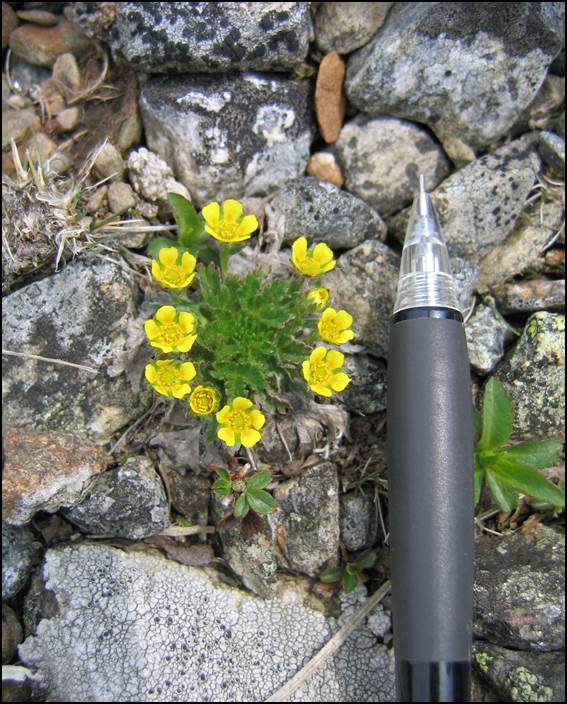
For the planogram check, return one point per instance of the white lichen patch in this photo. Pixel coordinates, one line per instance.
(135, 627)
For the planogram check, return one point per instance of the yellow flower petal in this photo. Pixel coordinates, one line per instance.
(321, 390)
(211, 214)
(241, 404)
(227, 435)
(186, 321)
(249, 437)
(222, 415)
(328, 314)
(152, 330)
(343, 337)
(187, 371)
(328, 267)
(156, 270)
(231, 210)
(181, 390)
(322, 253)
(343, 319)
(188, 262)
(247, 225)
(168, 256)
(166, 314)
(306, 367)
(257, 419)
(299, 247)
(339, 381)
(334, 359)
(150, 373)
(186, 344)
(318, 354)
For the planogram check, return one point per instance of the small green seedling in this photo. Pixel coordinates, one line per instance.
(250, 493)
(510, 471)
(350, 574)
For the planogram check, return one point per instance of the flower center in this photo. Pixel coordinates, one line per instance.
(203, 402)
(168, 375)
(174, 274)
(330, 328)
(319, 372)
(239, 421)
(171, 333)
(227, 230)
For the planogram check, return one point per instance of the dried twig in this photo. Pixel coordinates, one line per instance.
(49, 360)
(330, 648)
(179, 531)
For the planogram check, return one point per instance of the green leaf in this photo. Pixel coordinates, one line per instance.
(497, 416)
(528, 481)
(366, 559)
(536, 454)
(222, 487)
(223, 473)
(260, 500)
(152, 250)
(478, 477)
(333, 574)
(349, 582)
(505, 498)
(353, 568)
(241, 506)
(260, 480)
(477, 423)
(186, 219)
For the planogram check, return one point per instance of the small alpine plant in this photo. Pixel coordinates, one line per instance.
(229, 346)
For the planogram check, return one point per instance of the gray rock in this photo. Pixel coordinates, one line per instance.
(19, 553)
(108, 162)
(524, 245)
(12, 634)
(322, 213)
(364, 283)
(120, 197)
(186, 450)
(519, 596)
(308, 518)
(478, 205)
(274, 264)
(346, 26)
(18, 124)
(381, 159)
(529, 296)
(194, 639)
(358, 521)
(204, 37)
(127, 502)
(152, 178)
(25, 76)
(520, 676)
(466, 276)
(79, 315)
(464, 70)
(552, 150)
(190, 496)
(545, 109)
(366, 393)
(20, 684)
(232, 135)
(534, 376)
(486, 338)
(380, 622)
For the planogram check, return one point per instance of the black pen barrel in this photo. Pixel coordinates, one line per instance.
(431, 507)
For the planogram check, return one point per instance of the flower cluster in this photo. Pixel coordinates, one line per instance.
(222, 345)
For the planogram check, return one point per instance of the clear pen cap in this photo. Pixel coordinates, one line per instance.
(425, 271)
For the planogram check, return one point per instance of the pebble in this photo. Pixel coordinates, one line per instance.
(44, 471)
(108, 162)
(323, 165)
(120, 197)
(381, 159)
(59, 163)
(42, 45)
(534, 377)
(152, 178)
(9, 23)
(486, 337)
(12, 634)
(330, 103)
(552, 151)
(67, 74)
(190, 496)
(68, 119)
(19, 556)
(366, 394)
(358, 521)
(346, 26)
(18, 102)
(529, 296)
(26, 77)
(20, 684)
(41, 17)
(17, 125)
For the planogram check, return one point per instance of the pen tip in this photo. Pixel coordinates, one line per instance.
(424, 205)
(422, 188)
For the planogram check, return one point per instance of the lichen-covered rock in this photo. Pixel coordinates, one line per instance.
(466, 276)
(190, 495)
(364, 283)
(346, 26)
(486, 337)
(19, 553)
(529, 296)
(201, 37)
(552, 150)
(358, 520)
(44, 471)
(152, 178)
(231, 135)
(478, 205)
(366, 393)
(322, 213)
(156, 630)
(519, 600)
(520, 676)
(126, 502)
(12, 634)
(463, 70)
(381, 159)
(79, 315)
(534, 377)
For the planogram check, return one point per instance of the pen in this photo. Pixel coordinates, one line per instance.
(430, 471)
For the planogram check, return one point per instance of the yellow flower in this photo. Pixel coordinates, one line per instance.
(204, 400)
(314, 262)
(169, 377)
(323, 371)
(333, 326)
(240, 423)
(229, 224)
(318, 296)
(173, 270)
(170, 331)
